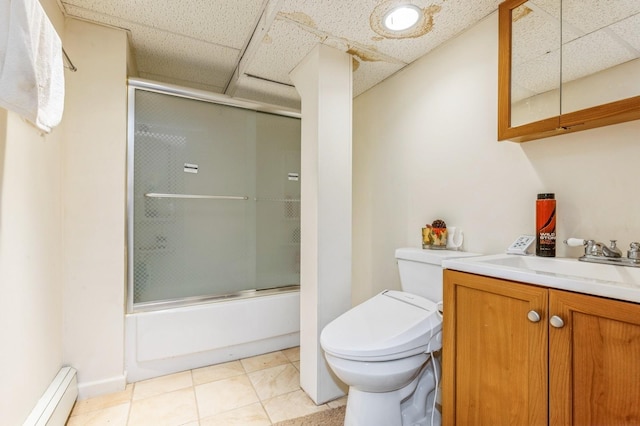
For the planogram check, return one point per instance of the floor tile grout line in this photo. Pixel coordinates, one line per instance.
(133, 388)
(264, 408)
(246, 374)
(287, 362)
(195, 396)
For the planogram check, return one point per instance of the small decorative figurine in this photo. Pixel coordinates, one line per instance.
(434, 236)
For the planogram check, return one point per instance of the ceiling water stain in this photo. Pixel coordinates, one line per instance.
(302, 21)
(267, 39)
(520, 12)
(358, 52)
(425, 23)
(367, 55)
(299, 17)
(355, 64)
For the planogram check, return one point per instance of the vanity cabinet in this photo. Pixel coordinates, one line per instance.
(566, 65)
(519, 354)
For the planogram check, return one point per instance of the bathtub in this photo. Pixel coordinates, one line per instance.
(176, 339)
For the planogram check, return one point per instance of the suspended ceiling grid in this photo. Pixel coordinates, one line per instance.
(247, 48)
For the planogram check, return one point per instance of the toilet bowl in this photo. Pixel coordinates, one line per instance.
(383, 348)
(379, 348)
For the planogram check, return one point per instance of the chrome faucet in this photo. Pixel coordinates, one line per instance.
(601, 253)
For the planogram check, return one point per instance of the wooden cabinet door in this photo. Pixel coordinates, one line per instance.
(594, 361)
(494, 357)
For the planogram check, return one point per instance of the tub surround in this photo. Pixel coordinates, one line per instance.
(172, 340)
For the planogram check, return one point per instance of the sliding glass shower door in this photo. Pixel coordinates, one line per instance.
(214, 200)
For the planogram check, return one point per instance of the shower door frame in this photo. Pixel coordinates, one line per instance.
(134, 84)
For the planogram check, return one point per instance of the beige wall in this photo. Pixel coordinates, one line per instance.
(62, 229)
(425, 147)
(31, 245)
(94, 206)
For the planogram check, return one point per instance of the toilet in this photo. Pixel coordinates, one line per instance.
(383, 348)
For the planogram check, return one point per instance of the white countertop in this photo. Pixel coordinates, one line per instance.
(612, 281)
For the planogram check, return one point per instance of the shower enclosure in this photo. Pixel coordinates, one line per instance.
(213, 229)
(214, 201)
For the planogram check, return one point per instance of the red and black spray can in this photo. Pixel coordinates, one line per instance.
(546, 225)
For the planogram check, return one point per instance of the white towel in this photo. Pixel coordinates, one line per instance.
(31, 67)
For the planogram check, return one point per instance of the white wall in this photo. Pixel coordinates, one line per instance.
(425, 147)
(94, 206)
(324, 81)
(31, 246)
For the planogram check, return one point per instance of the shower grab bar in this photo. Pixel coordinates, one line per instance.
(279, 200)
(192, 196)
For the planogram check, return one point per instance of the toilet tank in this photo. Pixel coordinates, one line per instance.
(421, 270)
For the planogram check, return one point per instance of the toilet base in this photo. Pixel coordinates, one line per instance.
(412, 405)
(373, 409)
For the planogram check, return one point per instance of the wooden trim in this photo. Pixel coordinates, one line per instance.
(537, 129)
(603, 115)
(588, 118)
(504, 70)
(449, 350)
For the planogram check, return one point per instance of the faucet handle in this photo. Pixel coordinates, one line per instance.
(593, 248)
(634, 251)
(575, 242)
(612, 250)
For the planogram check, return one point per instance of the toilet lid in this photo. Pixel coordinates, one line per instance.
(387, 326)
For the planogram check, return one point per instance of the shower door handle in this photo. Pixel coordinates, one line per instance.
(194, 196)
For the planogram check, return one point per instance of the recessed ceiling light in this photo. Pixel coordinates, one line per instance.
(402, 17)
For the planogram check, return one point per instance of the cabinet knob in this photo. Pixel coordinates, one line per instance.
(533, 316)
(556, 321)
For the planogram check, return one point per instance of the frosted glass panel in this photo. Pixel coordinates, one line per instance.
(278, 201)
(199, 247)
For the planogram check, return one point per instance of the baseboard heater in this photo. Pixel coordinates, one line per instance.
(55, 405)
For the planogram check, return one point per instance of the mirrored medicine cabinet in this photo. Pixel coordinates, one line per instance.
(566, 65)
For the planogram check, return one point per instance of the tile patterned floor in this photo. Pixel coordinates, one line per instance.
(257, 391)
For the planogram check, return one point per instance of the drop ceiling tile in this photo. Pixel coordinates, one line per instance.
(352, 24)
(184, 58)
(197, 43)
(287, 44)
(537, 75)
(550, 7)
(591, 15)
(267, 92)
(578, 57)
(284, 46)
(224, 22)
(174, 56)
(535, 34)
(335, 17)
(629, 30)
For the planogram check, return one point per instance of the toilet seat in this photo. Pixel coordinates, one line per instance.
(391, 325)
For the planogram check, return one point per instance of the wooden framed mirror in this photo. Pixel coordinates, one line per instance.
(565, 66)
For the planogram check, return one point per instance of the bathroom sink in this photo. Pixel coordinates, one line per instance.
(618, 282)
